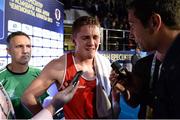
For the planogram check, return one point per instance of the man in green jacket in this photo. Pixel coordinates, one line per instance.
(17, 75)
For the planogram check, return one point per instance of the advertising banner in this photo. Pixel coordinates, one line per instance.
(42, 20)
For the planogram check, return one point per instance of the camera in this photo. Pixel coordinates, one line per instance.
(121, 71)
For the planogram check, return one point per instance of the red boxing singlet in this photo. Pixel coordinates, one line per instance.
(83, 104)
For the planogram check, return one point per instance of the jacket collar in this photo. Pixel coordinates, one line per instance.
(172, 55)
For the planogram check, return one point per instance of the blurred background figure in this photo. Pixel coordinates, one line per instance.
(136, 56)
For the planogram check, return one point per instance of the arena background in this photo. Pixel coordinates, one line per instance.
(49, 23)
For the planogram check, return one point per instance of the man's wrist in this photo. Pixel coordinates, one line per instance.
(126, 93)
(51, 109)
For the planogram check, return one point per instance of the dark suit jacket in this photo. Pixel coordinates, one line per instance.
(168, 86)
(164, 97)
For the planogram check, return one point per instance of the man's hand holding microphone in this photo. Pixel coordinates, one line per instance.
(120, 79)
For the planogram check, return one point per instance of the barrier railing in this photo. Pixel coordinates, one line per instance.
(116, 40)
(111, 39)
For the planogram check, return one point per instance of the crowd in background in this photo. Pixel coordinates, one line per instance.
(111, 13)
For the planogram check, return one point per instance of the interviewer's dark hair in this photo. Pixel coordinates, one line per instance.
(13, 34)
(169, 10)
